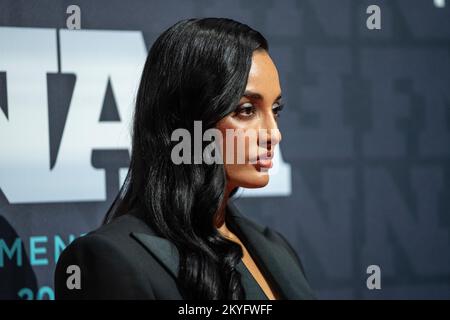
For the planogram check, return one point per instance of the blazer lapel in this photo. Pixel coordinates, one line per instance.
(162, 249)
(274, 257)
(277, 261)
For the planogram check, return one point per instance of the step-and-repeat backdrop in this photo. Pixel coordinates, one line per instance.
(362, 189)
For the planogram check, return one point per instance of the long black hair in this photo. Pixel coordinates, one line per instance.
(196, 70)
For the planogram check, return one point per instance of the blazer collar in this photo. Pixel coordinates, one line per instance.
(278, 263)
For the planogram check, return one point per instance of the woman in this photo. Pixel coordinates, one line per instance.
(172, 232)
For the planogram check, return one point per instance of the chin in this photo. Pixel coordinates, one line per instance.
(252, 179)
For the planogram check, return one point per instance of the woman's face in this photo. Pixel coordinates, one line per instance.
(256, 112)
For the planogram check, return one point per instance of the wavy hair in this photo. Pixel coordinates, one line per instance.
(196, 70)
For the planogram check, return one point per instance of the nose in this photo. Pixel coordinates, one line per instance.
(271, 135)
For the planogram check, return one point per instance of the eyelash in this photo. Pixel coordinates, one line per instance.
(240, 109)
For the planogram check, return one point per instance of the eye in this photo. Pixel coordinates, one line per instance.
(246, 110)
(277, 109)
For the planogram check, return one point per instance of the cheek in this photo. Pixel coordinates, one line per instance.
(243, 175)
(241, 146)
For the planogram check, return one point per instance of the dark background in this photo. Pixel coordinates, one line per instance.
(366, 131)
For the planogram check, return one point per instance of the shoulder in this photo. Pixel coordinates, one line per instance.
(110, 241)
(113, 237)
(107, 260)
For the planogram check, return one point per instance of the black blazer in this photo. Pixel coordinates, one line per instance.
(126, 260)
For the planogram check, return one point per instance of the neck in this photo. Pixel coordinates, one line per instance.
(221, 213)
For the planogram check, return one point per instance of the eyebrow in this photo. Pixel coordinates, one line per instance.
(257, 96)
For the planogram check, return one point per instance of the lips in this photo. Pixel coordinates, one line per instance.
(264, 160)
(265, 163)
